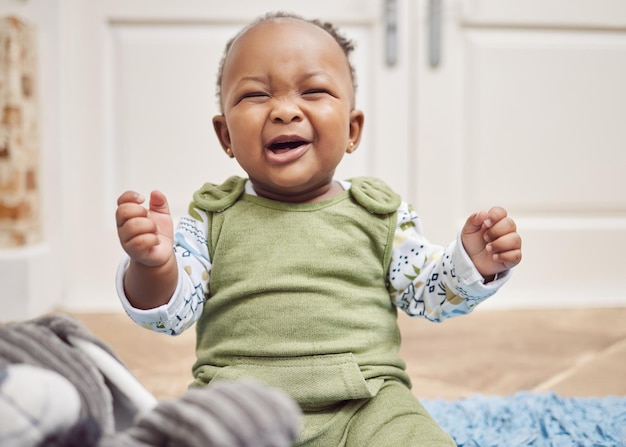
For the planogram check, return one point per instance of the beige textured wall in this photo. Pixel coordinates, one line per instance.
(19, 135)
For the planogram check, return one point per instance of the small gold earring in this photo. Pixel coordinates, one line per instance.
(229, 152)
(351, 145)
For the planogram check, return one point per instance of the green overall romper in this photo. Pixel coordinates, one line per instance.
(298, 300)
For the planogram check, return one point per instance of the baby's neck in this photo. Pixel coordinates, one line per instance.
(323, 193)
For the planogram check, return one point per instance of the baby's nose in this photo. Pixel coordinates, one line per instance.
(285, 111)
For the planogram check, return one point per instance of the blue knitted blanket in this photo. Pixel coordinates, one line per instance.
(528, 419)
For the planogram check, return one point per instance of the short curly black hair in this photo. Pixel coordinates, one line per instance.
(346, 44)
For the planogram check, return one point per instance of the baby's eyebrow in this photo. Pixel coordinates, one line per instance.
(254, 78)
(267, 79)
(316, 74)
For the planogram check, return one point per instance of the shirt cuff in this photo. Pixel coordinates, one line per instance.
(149, 317)
(469, 277)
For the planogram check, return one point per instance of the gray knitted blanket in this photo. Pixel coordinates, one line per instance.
(243, 413)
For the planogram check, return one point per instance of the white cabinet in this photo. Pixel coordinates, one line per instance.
(527, 109)
(139, 83)
(508, 102)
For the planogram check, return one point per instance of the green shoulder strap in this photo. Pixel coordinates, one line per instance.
(217, 198)
(374, 195)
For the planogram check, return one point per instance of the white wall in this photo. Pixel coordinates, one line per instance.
(31, 278)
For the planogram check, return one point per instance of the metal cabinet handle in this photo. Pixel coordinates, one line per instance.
(391, 32)
(434, 33)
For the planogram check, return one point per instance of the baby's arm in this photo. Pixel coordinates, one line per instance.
(194, 266)
(431, 281)
(146, 236)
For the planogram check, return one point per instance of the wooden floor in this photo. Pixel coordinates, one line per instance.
(580, 352)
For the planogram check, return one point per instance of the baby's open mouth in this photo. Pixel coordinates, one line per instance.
(280, 146)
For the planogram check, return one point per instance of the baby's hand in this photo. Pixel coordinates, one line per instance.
(492, 242)
(145, 234)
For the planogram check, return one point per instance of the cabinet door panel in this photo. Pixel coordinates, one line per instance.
(527, 111)
(139, 83)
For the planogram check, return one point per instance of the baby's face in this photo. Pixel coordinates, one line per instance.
(288, 108)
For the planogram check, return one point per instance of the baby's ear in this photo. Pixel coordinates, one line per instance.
(36, 404)
(357, 119)
(223, 135)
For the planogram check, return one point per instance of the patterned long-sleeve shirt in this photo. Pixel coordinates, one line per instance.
(424, 279)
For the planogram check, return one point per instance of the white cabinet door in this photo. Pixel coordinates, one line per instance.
(509, 102)
(527, 109)
(138, 82)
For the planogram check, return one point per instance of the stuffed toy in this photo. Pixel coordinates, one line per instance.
(60, 386)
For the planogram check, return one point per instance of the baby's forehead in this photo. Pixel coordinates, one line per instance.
(263, 29)
(283, 40)
(285, 37)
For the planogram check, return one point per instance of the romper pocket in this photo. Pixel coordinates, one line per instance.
(317, 379)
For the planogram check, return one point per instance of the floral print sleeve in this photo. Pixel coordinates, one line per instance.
(430, 281)
(194, 266)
